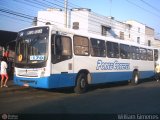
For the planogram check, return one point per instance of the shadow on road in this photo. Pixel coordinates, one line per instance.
(70, 90)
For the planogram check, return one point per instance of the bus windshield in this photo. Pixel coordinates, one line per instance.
(32, 46)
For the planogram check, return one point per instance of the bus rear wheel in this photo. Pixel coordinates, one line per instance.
(135, 78)
(81, 84)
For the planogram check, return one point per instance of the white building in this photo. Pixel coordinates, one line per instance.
(149, 36)
(98, 24)
(137, 33)
(51, 16)
(86, 20)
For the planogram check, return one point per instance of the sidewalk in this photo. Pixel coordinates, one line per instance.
(10, 83)
(12, 87)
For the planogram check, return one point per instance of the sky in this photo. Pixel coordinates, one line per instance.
(13, 12)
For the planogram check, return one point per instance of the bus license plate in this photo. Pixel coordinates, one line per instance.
(26, 85)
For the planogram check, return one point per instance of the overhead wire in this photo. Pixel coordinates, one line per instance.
(146, 10)
(29, 4)
(14, 18)
(94, 17)
(45, 5)
(154, 8)
(93, 20)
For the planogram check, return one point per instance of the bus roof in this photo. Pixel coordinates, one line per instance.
(91, 35)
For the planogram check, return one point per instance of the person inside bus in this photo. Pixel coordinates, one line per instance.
(157, 70)
(4, 75)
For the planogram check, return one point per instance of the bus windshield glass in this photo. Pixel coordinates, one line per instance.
(32, 46)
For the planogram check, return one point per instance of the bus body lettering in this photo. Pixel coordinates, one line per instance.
(112, 65)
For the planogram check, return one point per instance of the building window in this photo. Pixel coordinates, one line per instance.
(149, 42)
(138, 30)
(138, 39)
(105, 30)
(75, 25)
(122, 35)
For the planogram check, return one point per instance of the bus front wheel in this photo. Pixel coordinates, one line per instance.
(81, 84)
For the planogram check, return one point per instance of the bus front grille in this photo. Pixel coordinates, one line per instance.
(27, 73)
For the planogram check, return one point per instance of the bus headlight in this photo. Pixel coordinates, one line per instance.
(41, 72)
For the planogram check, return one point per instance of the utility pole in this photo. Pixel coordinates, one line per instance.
(110, 8)
(65, 12)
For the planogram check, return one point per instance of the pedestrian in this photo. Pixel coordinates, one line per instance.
(4, 75)
(157, 70)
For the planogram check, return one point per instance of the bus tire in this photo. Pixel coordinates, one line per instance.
(135, 78)
(81, 83)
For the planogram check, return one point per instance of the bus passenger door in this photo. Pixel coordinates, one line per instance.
(62, 62)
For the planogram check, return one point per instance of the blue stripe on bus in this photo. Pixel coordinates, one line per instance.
(117, 76)
(67, 80)
(146, 74)
(33, 82)
(53, 81)
(110, 77)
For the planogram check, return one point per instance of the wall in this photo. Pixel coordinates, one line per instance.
(137, 31)
(51, 16)
(87, 21)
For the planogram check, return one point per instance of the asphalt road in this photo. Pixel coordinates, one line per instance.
(102, 99)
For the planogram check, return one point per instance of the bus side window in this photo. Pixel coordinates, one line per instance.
(155, 54)
(112, 49)
(150, 55)
(66, 47)
(135, 54)
(143, 54)
(124, 51)
(81, 45)
(98, 48)
(61, 48)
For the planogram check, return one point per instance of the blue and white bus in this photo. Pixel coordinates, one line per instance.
(51, 57)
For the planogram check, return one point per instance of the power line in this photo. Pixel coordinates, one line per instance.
(156, 9)
(16, 13)
(53, 3)
(39, 3)
(15, 18)
(143, 8)
(27, 3)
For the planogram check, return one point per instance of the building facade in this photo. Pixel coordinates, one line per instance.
(84, 19)
(137, 33)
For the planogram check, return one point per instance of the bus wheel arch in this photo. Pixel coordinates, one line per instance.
(82, 80)
(135, 77)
